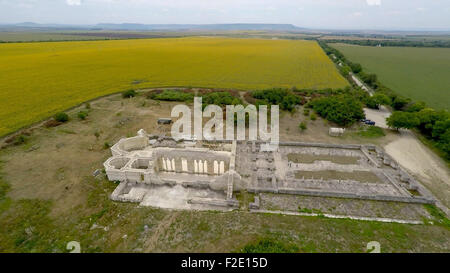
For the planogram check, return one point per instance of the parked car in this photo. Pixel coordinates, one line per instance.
(369, 122)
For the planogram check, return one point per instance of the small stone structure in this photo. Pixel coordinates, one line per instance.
(190, 174)
(336, 131)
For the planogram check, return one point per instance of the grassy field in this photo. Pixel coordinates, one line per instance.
(422, 74)
(22, 36)
(40, 79)
(80, 35)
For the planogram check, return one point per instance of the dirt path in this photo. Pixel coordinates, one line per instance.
(424, 164)
(414, 156)
(163, 225)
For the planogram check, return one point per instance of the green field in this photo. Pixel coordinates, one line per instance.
(12, 36)
(422, 74)
(39, 79)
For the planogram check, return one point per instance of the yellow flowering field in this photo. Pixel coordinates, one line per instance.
(40, 79)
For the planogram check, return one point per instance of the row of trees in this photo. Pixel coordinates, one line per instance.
(408, 43)
(435, 125)
(386, 97)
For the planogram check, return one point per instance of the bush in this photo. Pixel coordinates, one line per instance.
(82, 115)
(286, 99)
(61, 117)
(306, 112)
(313, 116)
(129, 94)
(21, 139)
(220, 98)
(269, 246)
(302, 126)
(106, 145)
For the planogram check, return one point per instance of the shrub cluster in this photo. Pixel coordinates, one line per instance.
(61, 117)
(171, 95)
(286, 99)
(343, 110)
(82, 115)
(129, 94)
(220, 98)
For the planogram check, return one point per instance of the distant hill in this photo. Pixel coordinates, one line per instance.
(284, 27)
(157, 27)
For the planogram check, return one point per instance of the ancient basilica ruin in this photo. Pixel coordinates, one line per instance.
(188, 174)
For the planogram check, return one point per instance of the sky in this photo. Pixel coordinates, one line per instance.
(317, 14)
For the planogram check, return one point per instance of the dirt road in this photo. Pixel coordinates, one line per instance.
(423, 163)
(414, 156)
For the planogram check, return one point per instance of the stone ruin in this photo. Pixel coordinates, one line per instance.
(189, 174)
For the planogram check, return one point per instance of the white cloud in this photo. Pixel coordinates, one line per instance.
(73, 2)
(373, 2)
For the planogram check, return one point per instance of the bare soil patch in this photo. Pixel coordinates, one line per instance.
(308, 158)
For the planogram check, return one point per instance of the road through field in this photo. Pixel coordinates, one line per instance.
(422, 74)
(414, 156)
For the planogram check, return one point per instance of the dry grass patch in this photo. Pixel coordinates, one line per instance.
(362, 176)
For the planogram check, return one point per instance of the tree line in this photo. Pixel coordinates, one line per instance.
(431, 123)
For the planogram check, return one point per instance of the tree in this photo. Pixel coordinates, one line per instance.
(428, 117)
(440, 128)
(403, 120)
(370, 79)
(381, 99)
(444, 143)
(355, 67)
(342, 109)
(399, 102)
(415, 107)
(371, 103)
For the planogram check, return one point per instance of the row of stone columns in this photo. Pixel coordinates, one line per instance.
(200, 166)
(168, 165)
